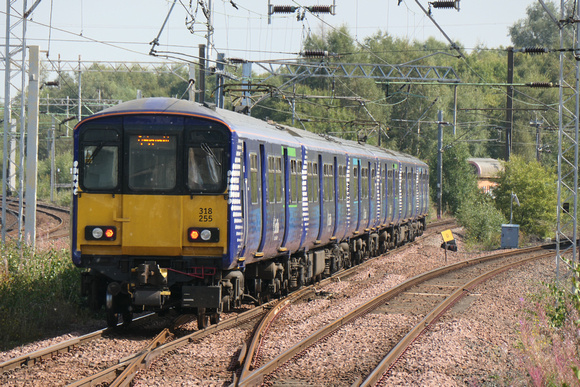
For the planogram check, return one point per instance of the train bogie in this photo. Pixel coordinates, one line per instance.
(180, 206)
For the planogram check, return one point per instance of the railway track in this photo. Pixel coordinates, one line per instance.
(126, 368)
(418, 290)
(52, 221)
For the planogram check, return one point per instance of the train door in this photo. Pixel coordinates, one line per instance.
(365, 215)
(152, 173)
(382, 193)
(355, 193)
(274, 222)
(293, 199)
(412, 193)
(373, 195)
(328, 221)
(313, 182)
(405, 195)
(263, 200)
(253, 203)
(338, 198)
(398, 192)
(342, 213)
(390, 194)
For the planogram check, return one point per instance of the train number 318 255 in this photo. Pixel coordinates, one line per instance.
(205, 214)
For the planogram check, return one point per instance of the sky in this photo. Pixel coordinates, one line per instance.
(121, 30)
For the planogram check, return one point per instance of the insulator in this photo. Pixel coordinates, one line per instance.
(283, 9)
(236, 60)
(535, 50)
(314, 53)
(445, 4)
(320, 8)
(540, 84)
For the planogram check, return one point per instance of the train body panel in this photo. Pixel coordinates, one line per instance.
(179, 205)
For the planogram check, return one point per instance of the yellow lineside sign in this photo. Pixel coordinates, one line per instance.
(447, 236)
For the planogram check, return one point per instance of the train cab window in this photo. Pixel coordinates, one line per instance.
(205, 168)
(206, 157)
(99, 158)
(254, 177)
(152, 162)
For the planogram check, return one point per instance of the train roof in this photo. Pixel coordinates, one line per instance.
(251, 127)
(486, 168)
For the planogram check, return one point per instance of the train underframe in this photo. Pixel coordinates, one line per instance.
(158, 284)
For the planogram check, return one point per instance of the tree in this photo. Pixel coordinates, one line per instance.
(538, 29)
(535, 188)
(459, 182)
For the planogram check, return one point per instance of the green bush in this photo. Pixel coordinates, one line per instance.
(39, 295)
(481, 220)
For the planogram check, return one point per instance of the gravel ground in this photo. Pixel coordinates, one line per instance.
(474, 348)
(477, 347)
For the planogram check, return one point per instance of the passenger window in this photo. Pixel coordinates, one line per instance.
(313, 182)
(342, 182)
(279, 185)
(294, 181)
(354, 188)
(254, 177)
(271, 180)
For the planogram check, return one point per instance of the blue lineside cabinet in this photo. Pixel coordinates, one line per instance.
(509, 236)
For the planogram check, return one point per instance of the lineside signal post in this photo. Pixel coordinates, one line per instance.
(448, 242)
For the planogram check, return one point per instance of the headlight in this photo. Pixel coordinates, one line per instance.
(205, 235)
(97, 233)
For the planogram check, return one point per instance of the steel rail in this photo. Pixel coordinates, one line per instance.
(62, 347)
(246, 356)
(129, 372)
(109, 375)
(46, 353)
(399, 350)
(248, 361)
(256, 377)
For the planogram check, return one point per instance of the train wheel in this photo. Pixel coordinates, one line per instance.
(214, 318)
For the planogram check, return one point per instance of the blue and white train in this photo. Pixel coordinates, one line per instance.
(178, 205)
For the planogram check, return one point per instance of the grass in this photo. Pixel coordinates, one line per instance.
(39, 295)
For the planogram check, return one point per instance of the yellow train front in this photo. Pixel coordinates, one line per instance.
(150, 210)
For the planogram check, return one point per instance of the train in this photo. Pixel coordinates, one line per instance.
(181, 205)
